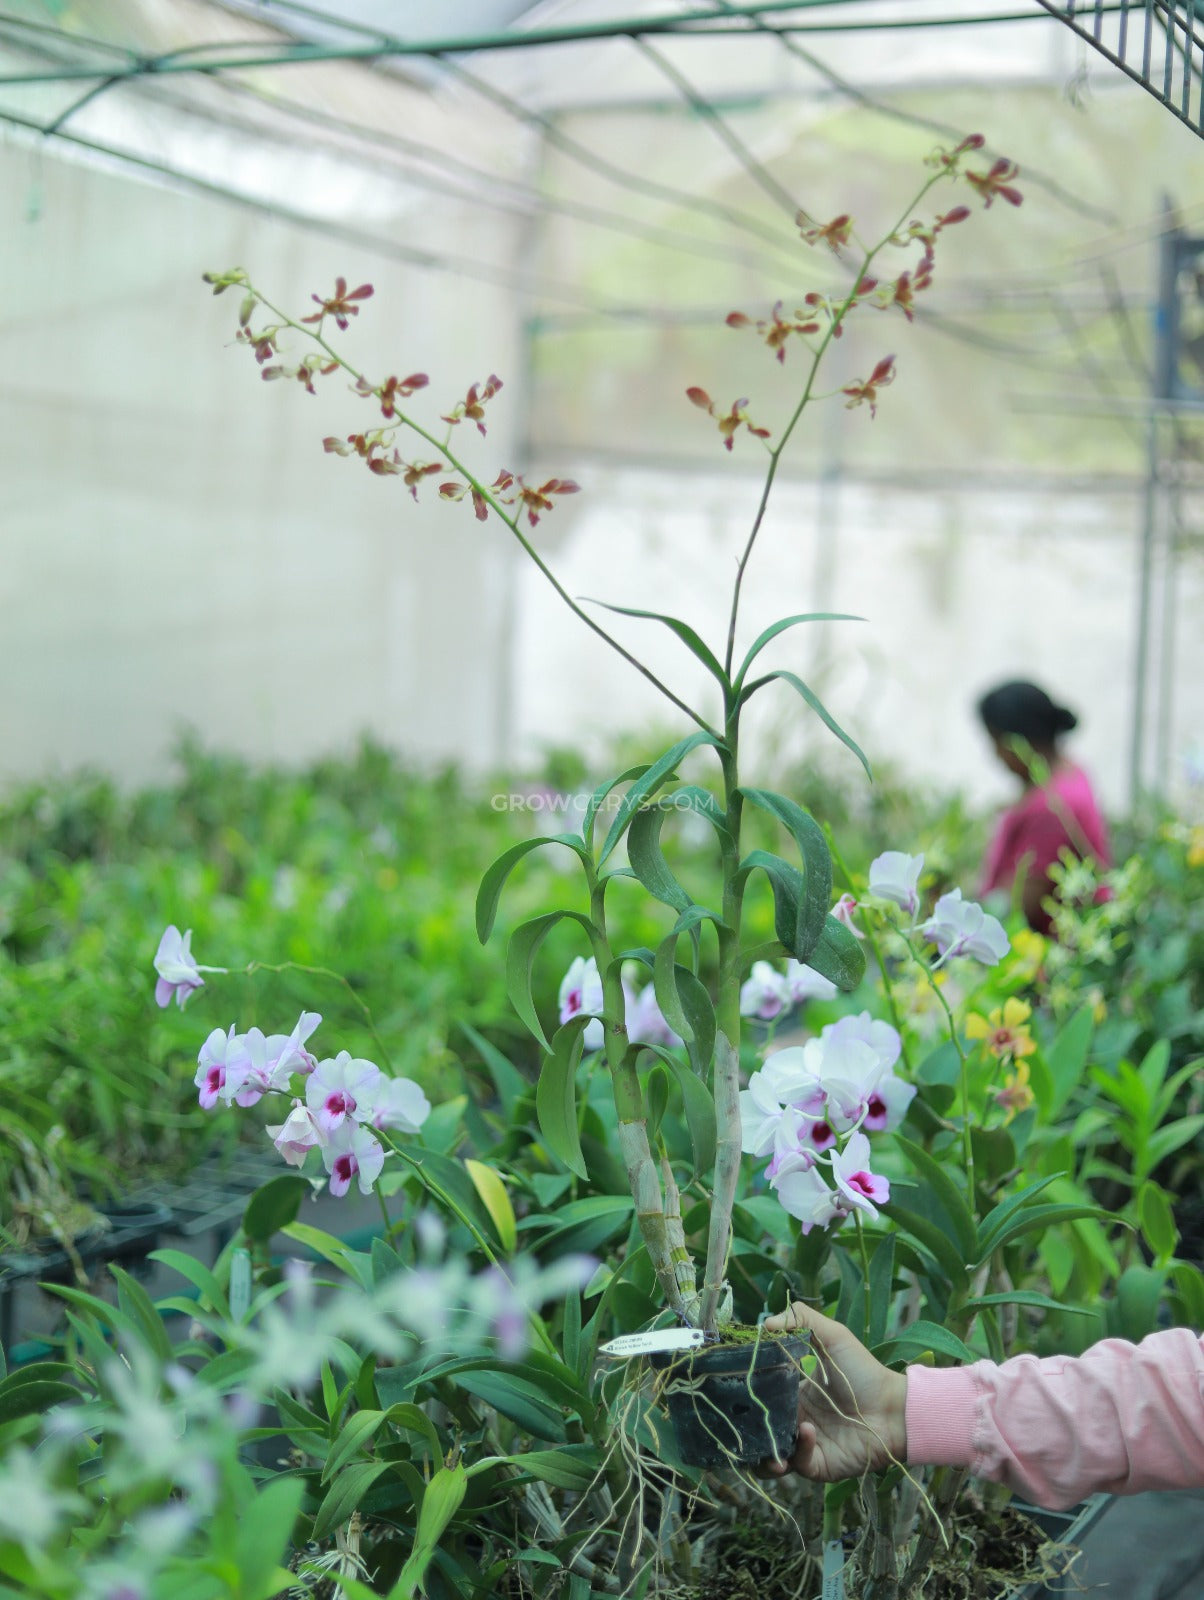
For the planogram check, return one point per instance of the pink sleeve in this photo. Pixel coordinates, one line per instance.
(1119, 1419)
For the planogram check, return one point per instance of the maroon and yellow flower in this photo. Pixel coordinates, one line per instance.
(1004, 1033)
(1016, 1093)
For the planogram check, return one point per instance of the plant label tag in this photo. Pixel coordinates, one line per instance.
(833, 1588)
(643, 1344)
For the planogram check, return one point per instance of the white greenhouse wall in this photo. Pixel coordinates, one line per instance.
(959, 588)
(177, 549)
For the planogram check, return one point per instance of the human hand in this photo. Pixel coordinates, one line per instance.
(851, 1414)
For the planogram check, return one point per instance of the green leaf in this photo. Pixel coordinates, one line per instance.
(699, 1106)
(344, 1495)
(1167, 1140)
(496, 1201)
(1157, 1220)
(1022, 1297)
(494, 880)
(946, 1193)
(556, 1095)
(573, 1466)
(703, 804)
(600, 794)
(520, 959)
(33, 1398)
(646, 786)
(443, 1497)
(788, 891)
(352, 1438)
(413, 1419)
(920, 1337)
(817, 863)
(780, 626)
(198, 1274)
(1067, 1057)
(881, 1284)
(1032, 1218)
(700, 1014)
(1134, 1312)
(108, 1316)
(445, 1179)
(996, 1218)
(137, 1304)
(692, 641)
(838, 956)
(656, 1101)
(274, 1206)
(850, 1307)
(648, 862)
(816, 705)
(934, 1239)
(517, 1398)
(1189, 1282)
(1152, 1070)
(331, 1249)
(265, 1527)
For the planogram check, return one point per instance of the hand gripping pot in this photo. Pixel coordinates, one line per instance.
(734, 1404)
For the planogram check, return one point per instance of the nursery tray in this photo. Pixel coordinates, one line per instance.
(1139, 1547)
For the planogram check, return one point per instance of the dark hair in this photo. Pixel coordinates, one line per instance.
(1027, 712)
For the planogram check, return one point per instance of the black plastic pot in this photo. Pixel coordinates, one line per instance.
(734, 1404)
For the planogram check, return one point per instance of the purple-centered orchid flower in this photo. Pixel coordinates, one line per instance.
(803, 1193)
(223, 1064)
(286, 1051)
(352, 1151)
(844, 910)
(765, 993)
(798, 1136)
(866, 1029)
(646, 1021)
(896, 876)
(858, 1189)
(760, 1113)
(962, 928)
(887, 1105)
(397, 1103)
(297, 1135)
(178, 972)
(335, 1088)
(804, 983)
(581, 993)
(849, 1072)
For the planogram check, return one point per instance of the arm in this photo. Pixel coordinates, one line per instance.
(1119, 1419)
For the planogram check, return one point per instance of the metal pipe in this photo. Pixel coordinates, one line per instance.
(304, 52)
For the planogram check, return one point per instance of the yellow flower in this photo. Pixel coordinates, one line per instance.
(1028, 952)
(1004, 1032)
(1015, 1094)
(1195, 848)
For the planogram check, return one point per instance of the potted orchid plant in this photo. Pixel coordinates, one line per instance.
(809, 1111)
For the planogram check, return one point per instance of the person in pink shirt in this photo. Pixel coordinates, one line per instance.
(1056, 811)
(1120, 1419)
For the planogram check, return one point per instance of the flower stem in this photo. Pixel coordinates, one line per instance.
(817, 356)
(512, 522)
(871, 938)
(963, 1064)
(865, 1269)
(337, 977)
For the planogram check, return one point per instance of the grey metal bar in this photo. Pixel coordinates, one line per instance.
(1148, 49)
(1168, 62)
